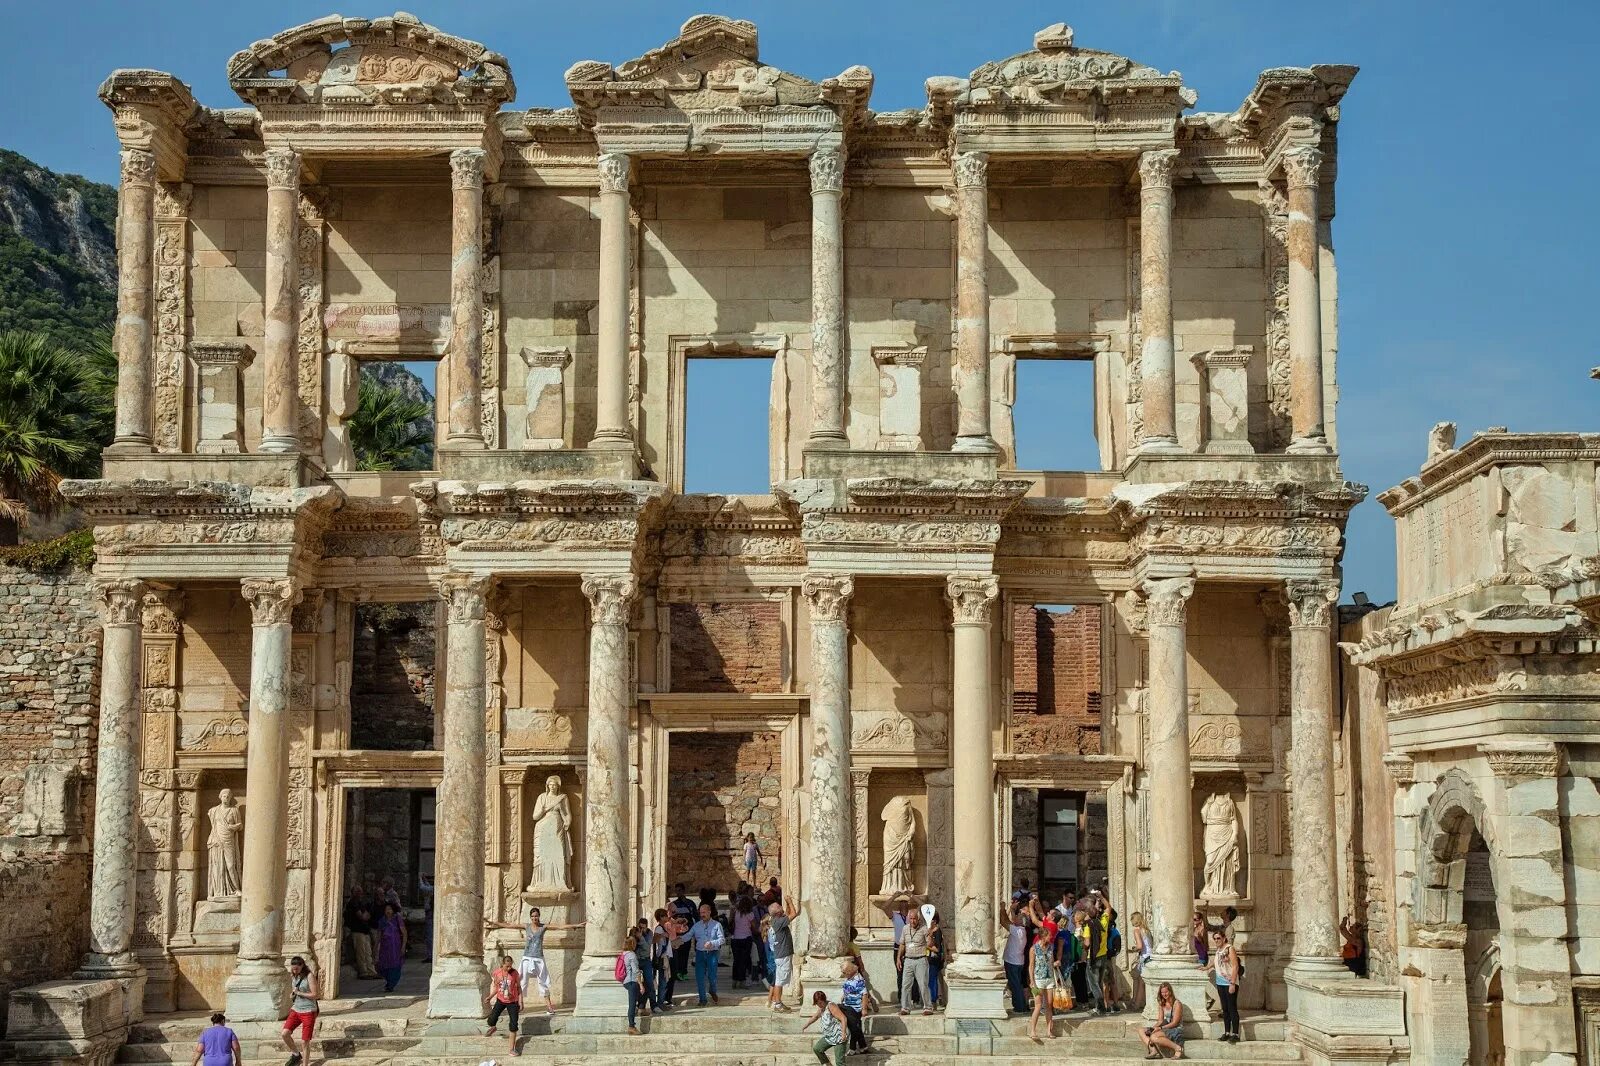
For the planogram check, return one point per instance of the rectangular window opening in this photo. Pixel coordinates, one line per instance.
(726, 436)
(395, 422)
(1054, 414)
(1056, 678)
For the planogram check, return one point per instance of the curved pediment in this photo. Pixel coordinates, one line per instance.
(712, 64)
(395, 59)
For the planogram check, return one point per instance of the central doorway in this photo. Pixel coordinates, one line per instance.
(388, 862)
(722, 789)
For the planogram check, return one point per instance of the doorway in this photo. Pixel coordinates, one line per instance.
(722, 788)
(389, 849)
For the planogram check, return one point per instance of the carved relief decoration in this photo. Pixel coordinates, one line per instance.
(1275, 213)
(828, 596)
(172, 313)
(309, 242)
(896, 731)
(119, 602)
(1216, 738)
(272, 601)
(465, 597)
(226, 735)
(971, 598)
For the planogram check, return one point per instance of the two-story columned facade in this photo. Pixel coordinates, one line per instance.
(377, 198)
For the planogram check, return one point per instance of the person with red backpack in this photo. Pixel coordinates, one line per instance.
(631, 979)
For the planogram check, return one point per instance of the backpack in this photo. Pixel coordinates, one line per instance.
(621, 970)
(1114, 942)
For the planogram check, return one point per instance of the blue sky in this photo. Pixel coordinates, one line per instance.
(1467, 172)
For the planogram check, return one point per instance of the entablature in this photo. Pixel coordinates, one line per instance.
(154, 112)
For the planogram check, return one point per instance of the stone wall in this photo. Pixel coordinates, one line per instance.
(727, 647)
(49, 695)
(719, 787)
(377, 843)
(1056, 679)
(392, 676)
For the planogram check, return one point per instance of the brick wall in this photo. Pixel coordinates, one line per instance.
(49, 696)
(391, 679)
(1055, 667)
(719, 787)
(727, 647)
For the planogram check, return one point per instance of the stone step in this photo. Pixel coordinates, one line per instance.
(1044, 1055)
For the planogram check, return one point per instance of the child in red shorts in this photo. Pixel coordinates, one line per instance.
(505, 993)
(307, 992)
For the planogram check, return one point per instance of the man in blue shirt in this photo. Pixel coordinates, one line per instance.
(707, 936)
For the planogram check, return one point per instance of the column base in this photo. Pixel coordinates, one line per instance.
(279, 445)
(1159, 446)
(827, 442)
(970, 997)
(126, 972)
(602, 1002)
(457, 988)
(258, 991)
(66, 1023)
(1314, 445)
(130, 446)
(1188, 982)
(977, 444)
(822, 970)
(1317, 968)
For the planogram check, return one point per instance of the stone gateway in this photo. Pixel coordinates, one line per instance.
(541, 673)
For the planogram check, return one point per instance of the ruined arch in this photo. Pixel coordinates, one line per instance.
(1443, 838)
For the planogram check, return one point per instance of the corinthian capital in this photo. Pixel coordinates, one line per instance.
(1167, 599)
(1310, 601)
(614, 168)
(827, 170)
(466, 168)
(138, 166)
(972, 170)
(610, 597)
(283, 168)
(1155, 167)
(1303, 166)
(971, 597)
(465, 596)
(271, 601)
(119, 602)
(828, 595)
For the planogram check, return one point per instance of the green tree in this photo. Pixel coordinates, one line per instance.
(391, 431)
(49, 426)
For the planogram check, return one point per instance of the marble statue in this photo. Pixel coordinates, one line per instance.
(1222, 846)
(552, 839)
(222, 847)
(899, 847)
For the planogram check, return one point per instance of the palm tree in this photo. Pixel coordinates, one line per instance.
(48, 426)
(389, 430)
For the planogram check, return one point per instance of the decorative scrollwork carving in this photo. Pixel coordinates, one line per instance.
(466, 168)
(1302, 166)
(614, 168)
(1156, 166)
(610, 597)
(971, 170)
(828, 595)
(1311, 601)
(827, 170)
(1167, 600)
(138, 166)
(971, 598)
(465, 597)
(272, 601)
(283, 168)
(119, 602)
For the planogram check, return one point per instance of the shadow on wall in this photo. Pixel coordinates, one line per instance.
(392, 676)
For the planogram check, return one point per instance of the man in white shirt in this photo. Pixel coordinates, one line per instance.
(708, 936)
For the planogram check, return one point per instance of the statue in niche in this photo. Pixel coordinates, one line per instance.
(899, 846)
(1221, 823)
(222, 848)
(552, 840)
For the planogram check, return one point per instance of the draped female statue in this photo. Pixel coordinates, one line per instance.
(899, 847)
(552, 839)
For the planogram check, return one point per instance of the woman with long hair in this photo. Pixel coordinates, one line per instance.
(1224, 966)
(1141, 948)
(1042, 971)
(1167, 1034)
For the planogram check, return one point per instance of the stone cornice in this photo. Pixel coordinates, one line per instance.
(572, 517)
(1290, 105)
(102, 499)
(1512, 759)
(1436, 640)
(1238, 499)
(1481, 452)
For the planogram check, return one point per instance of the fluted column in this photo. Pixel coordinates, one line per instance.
(832, 843)
(465, 410)
(134, 337)
(460, 982)
(612, 429)
(827, 300)
(258, 988)
(607, 880)
(1303, 169)
(280, 400)
(1156, 355)
(972, 303)
(1316, 882)
(972, 735)
(116, 784)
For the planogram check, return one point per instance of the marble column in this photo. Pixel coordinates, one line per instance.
(134, 337)
(464, 410)
(1171, 816)
(975, 989)
(281, 306)
(116, 785)
(1316, 876)
(258, 988)
(460, 982)
(972, 304)
(827, 300)
(606, 879)
(1157, 351)
(612, 429)
(832, 839)
(1303, 169)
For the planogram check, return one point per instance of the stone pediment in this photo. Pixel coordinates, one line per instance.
(397, 59)
(712, 65)
(1056, 72)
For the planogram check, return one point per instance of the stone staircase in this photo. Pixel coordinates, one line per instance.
(739, 1032)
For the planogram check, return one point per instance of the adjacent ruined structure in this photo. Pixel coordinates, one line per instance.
(577, 669)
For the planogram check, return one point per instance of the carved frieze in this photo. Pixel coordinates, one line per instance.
(225, 734)
(828, 596)
(309, 241)
(896, 731)
(1275, 214)
(171, 311)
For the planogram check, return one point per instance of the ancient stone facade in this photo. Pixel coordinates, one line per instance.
(377, 197)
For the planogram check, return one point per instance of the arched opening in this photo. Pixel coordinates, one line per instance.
(1482, 950)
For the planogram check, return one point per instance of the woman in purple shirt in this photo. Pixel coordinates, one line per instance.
(218, 1045)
